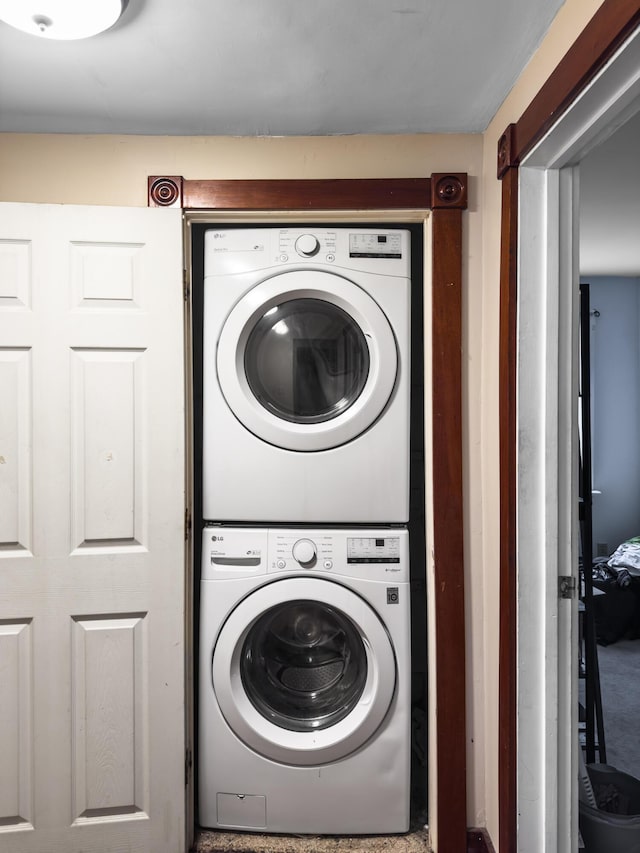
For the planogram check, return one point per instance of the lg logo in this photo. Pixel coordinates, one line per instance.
(217, 538)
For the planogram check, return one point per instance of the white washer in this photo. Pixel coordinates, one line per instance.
(305, 673)
(306, 376)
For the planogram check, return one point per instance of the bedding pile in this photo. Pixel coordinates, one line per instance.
(627, 557)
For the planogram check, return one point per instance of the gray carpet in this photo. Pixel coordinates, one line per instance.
(620, 687)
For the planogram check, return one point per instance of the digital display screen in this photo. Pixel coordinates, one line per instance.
(375, 246)
(373, 549)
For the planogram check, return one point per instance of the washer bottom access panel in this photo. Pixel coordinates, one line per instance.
(305, 674)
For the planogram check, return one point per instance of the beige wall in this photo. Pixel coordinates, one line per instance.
(112, 170)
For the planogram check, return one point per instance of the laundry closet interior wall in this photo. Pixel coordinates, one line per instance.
(397, 200)
(416, 525)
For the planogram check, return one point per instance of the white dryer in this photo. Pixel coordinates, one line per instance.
(306, 376)
(305, 671)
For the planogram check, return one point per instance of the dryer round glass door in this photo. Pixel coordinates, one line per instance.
(307, 360)
(304, 671)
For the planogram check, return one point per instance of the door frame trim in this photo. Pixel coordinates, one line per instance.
(441, 199)
(613, 23)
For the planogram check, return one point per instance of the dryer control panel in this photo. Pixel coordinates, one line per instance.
(385, 252)
(306, 244)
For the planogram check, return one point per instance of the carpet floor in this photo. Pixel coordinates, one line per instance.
(619, 666)
(244, 842)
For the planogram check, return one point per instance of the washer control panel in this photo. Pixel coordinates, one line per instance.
(234, 552)
(291, 549)
(373, 549)
(375, 554)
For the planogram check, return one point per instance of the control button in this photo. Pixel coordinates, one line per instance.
(307, 245)
(281, 564)
(328, 564)
(304, 552)
(284, 257)
(331, 257)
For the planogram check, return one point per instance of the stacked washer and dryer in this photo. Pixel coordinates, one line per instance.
(305, 661)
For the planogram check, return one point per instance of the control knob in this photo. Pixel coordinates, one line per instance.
(304, 552)
(307, 245)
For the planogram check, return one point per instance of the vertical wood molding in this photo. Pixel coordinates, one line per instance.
(506, 145)
(613, 22)
(508, 647)
(447, 523)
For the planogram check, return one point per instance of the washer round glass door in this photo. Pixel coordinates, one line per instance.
(307, 360)
(304, 671)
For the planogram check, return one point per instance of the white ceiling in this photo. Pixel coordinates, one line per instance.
(275, 67)
(296, 67)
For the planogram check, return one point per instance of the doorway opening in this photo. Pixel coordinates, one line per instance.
(609, 268)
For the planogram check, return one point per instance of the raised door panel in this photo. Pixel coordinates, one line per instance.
(16, 725)
(109, 453)
(110, 717)
(15, 274)
(15, 450)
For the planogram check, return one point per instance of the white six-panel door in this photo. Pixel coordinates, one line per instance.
(91, 530)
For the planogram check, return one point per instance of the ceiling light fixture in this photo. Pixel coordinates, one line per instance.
(61, 19)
